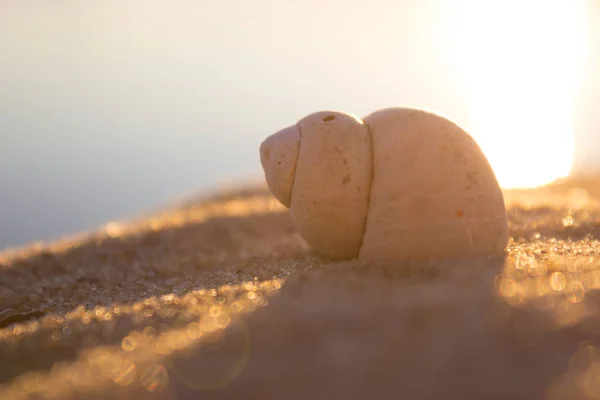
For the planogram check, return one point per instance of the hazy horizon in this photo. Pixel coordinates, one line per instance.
(115, 108)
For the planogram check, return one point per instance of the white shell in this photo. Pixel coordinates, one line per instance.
(405, 184)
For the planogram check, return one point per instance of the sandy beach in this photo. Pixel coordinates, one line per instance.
(220, 298)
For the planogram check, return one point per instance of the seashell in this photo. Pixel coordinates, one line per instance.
(401, 184)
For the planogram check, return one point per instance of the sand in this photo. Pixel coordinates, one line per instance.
(221, 299)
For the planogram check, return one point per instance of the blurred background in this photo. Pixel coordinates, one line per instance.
(112, 108)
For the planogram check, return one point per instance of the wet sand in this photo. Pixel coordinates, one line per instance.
(221, 299)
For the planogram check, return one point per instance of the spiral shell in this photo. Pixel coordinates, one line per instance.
(400, 184)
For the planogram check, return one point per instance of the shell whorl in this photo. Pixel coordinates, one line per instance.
(434, 193)
(332, 183)
(279, 156)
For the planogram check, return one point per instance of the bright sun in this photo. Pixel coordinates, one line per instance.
(519, 62)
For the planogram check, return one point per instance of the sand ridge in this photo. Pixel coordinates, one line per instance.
(222, 299)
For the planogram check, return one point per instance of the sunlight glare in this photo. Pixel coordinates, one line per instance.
(519, 62)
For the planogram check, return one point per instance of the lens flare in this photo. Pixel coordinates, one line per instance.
(519, 63)
(216, 361)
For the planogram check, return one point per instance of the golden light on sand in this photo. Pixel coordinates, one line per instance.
(519, 62)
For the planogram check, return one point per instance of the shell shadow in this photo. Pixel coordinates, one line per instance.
(350, 330)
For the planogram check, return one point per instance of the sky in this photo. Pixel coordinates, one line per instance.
(110, 109)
